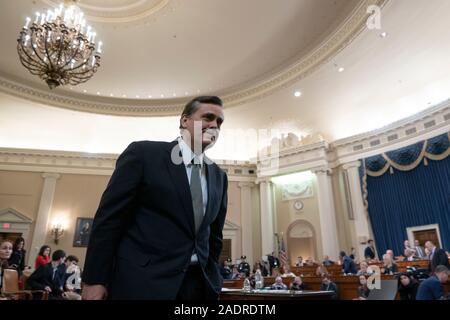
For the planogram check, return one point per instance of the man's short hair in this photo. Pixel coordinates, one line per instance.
(58, 254)
(72, 258)
(195, 103)
(441, 268)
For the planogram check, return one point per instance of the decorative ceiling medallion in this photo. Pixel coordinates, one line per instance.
(340, 39)
(122, 11)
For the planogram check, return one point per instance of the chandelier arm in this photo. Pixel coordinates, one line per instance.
(34, 49)
(32, 68)
(81, 65)
(82, 73)
(60, 49)
(46, 51)
(71, 58)
(24, 51)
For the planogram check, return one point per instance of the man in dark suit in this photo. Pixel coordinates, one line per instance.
(431, 288)
(369, 252)
(157, 233)
(244, 267)
(50, 277)
(274, 262)
(437, 256)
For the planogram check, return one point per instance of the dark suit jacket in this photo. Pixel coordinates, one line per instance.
(369, 253)
(430, 289)
(143, 233)
(439, 258)
(43, 277)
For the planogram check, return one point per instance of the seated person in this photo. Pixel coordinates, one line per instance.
(309, 262)
(235, 274)
(410, 255)
(276, 272)
(431, 288)
(321, 271)
(363, 289)
(6, 250)
(407, 287)
(298, 285)
(49, 277)
(364, 269)
(327, 262)
(225, 269)
(328, 285)
(299, 262)
(389, 266)
(287, 272)
(278, 285)
(72, 288)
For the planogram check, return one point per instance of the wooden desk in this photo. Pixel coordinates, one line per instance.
(276, 295)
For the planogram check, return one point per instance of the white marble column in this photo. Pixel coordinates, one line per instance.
(328, 227)
(246, 220)
(359, 212)
(43, 215)
(267, 230)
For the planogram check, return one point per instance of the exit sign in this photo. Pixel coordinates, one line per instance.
(6, 226)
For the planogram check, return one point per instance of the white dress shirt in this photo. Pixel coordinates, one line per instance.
(188, 155)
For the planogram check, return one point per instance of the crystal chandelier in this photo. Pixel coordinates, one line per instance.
(59, 47)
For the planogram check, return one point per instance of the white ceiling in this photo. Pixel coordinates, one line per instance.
(385, 79)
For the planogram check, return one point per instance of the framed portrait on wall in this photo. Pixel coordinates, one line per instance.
(83, 229)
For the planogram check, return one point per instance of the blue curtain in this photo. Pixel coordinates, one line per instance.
(407, 199)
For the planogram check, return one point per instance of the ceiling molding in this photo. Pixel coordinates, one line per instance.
(305, 66)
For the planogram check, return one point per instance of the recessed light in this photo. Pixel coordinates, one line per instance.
(383, 34)
(149, 95)
(84, 90)
(111, 95)
(98, 93)
(124, 96)
(162, 96)
(297, 94)
(341, 69)
(174, 94)
(137, 96)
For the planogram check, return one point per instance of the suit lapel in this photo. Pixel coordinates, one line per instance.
(181, 182)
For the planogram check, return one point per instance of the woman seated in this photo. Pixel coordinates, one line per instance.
(407, 287)
(389, 266)
(321, 271)
(363, 289)
(6, 249)
(364, 269)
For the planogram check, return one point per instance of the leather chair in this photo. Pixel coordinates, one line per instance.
(10, 287)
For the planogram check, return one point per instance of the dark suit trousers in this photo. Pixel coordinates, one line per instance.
(195, 286)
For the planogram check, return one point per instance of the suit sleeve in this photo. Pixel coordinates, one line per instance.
(115, 206)
(215, 238)
(35, 280)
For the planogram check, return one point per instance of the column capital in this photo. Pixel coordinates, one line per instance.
(246, 184)
(353, 164)
(263, 180)
(48, 175)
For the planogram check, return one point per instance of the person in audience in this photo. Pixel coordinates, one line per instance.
(321, 271)
(364, 269)
(407, 287)
(244, 267)
(274, 262)
(409, 255)
(276, 272)
(437, 256)
(287, 272)
(391, 254)
(352, 253)
(17, 260)
(328, 285)
(298, 284)
(235, 274)
(327, 262)
(427, 254)
(6, 250)
(309, 262)
(278, 285)
(43, 256)
(265, 266)
(72, 276)
(348, 265)
(419, 250)
(49, 277)
(389, 266)
(363, 289)
(225, 269)
(299, 262)
(369, 252)
(406, 245)
(431, 288)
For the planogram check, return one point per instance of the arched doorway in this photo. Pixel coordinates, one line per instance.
(301, 240)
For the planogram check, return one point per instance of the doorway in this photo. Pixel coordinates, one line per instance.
(11, 236)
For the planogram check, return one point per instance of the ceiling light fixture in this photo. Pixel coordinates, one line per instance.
(59, 47)
(297, 94)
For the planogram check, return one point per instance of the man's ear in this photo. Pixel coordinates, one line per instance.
(183, 120)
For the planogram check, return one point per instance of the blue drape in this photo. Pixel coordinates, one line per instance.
(407, 199)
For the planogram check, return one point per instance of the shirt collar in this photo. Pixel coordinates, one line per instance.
(187, 153)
